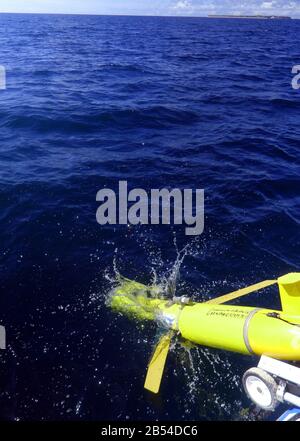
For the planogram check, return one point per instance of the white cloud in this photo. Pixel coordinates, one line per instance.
(183, 6)
(268, 5)
(193, 7)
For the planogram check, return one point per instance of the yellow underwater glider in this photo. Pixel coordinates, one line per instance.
(246, 330)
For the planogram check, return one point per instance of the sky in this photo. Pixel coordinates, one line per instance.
(155, 7)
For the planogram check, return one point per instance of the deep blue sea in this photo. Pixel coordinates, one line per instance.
(159, 102)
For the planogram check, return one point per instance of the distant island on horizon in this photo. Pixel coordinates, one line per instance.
(259, 17)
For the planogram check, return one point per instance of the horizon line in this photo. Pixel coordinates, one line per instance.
(139, 15)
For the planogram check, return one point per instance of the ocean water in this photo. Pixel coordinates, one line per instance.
(176, 102)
